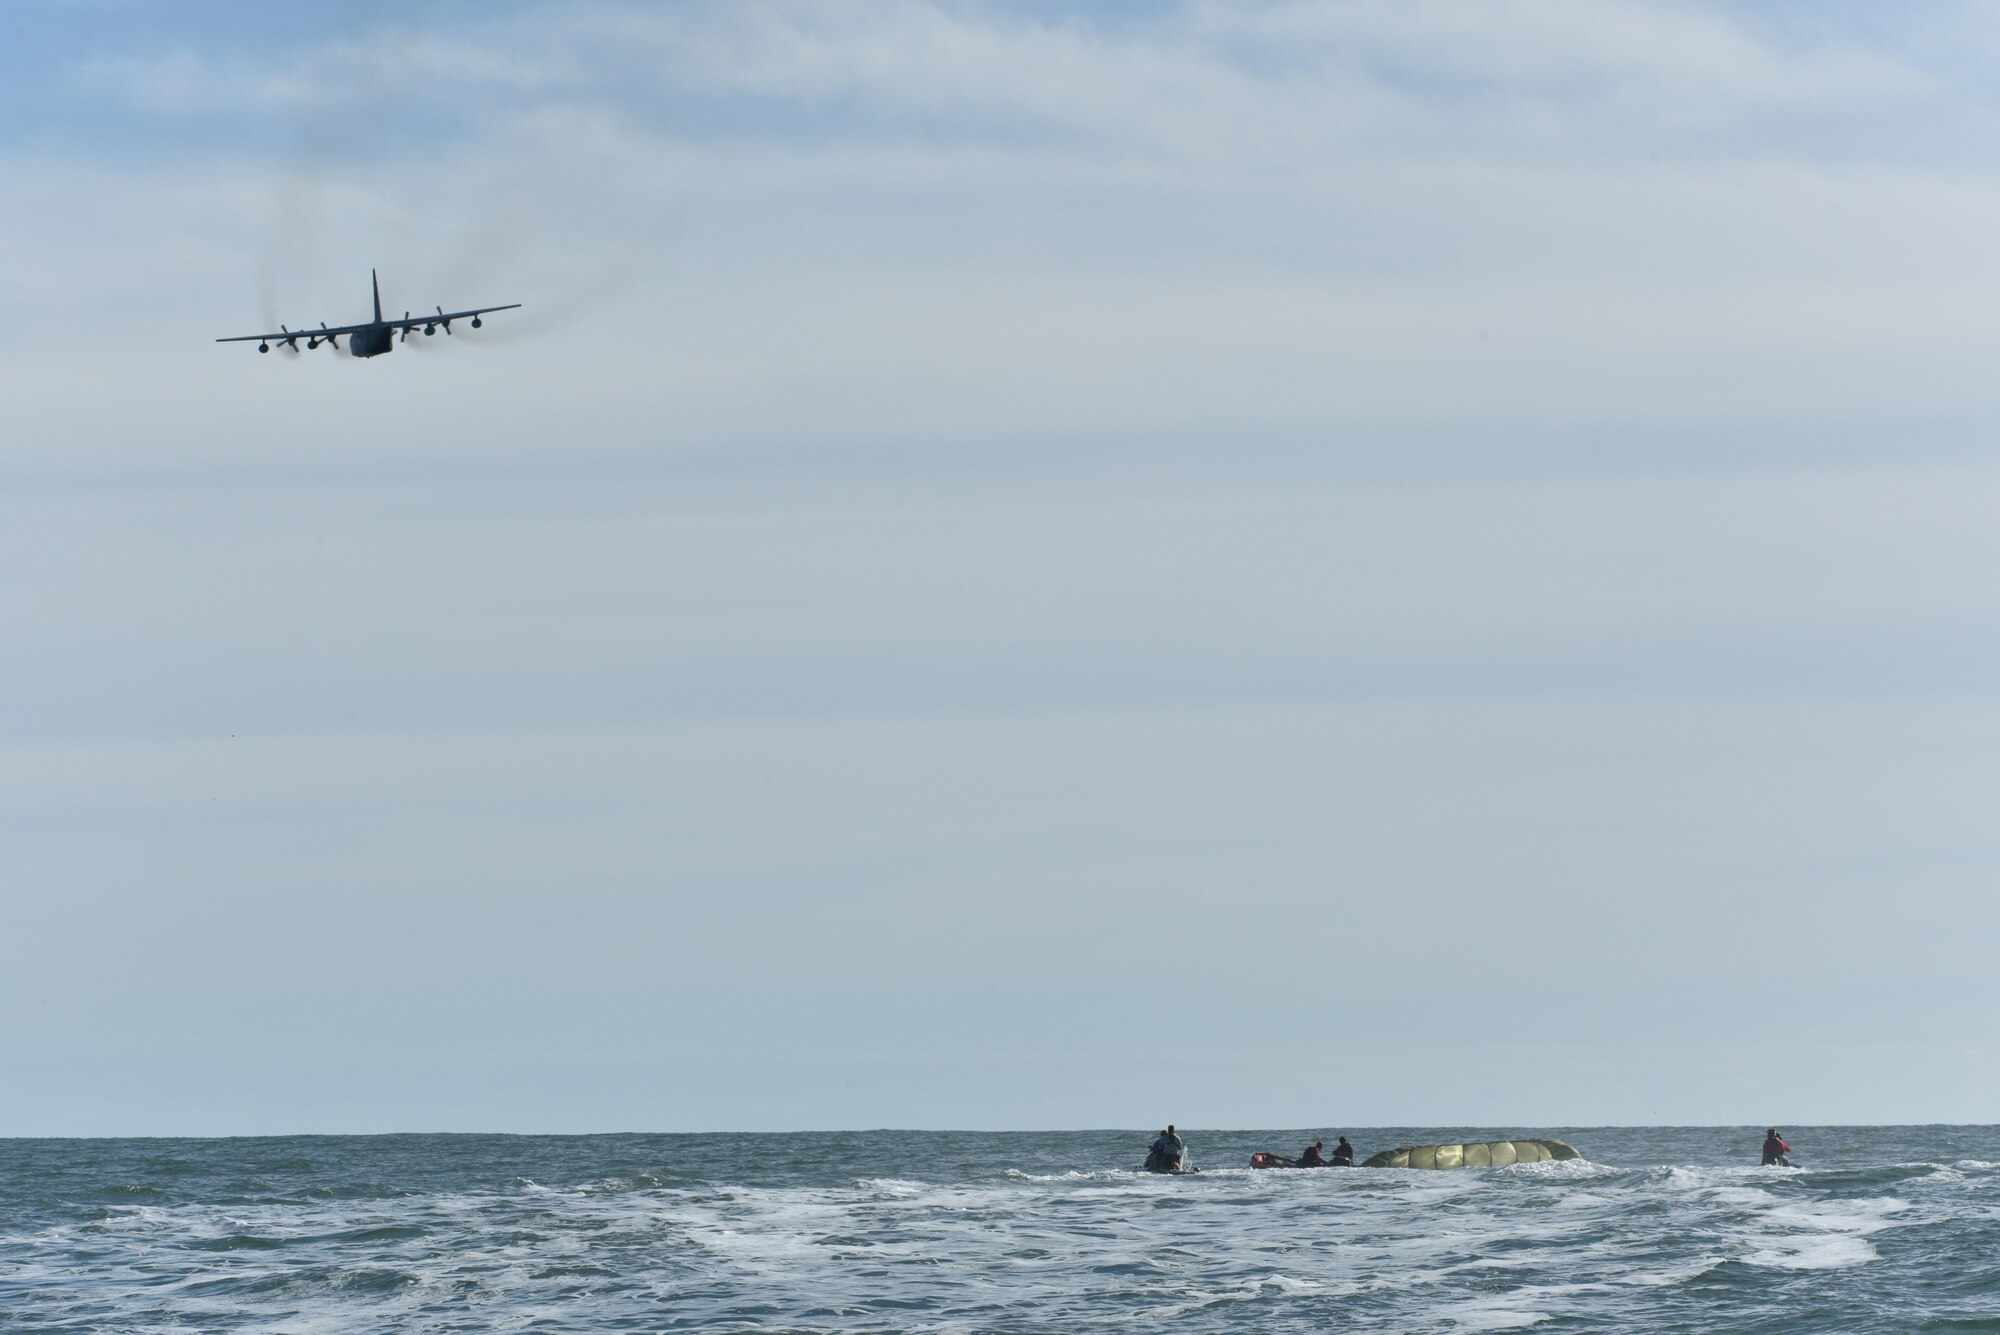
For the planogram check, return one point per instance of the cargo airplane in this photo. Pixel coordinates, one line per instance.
(371, 339)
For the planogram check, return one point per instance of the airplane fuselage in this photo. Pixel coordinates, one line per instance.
(371, 341)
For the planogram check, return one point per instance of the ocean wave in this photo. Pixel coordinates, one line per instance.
(1681, 1273)
(1484, 1314)
(1078, 1175)
(893, 1186)
(233, 1242)
(874, 1235)
(1813, 1252)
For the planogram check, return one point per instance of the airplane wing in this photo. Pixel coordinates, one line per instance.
(443, 316)
(322, 333)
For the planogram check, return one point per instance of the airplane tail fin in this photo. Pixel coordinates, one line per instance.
(376, 283)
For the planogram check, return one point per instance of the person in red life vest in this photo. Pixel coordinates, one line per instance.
(1775, 1149)
(1310, 1157)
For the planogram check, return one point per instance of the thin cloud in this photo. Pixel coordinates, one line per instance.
(1206, 83)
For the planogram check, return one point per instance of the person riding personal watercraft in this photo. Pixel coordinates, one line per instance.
(1343, 1154)
(1775, 1150)
(1168, 1154)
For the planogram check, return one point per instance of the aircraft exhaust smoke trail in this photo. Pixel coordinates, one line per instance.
(353, 194)
(292, 236)
(567, 308)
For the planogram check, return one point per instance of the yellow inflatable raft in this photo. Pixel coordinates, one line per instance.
(1482, 1154)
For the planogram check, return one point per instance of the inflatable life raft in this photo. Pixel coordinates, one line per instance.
(1262, 1160)
(1480, 1154)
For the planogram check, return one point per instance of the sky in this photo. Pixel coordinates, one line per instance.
(1020, 566)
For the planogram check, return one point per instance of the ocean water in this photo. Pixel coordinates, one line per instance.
(1656, 1229)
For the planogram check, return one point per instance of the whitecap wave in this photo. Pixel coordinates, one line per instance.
(1080, 1175)
(1823, 1252)
(1678, 1274)
(892, 1186)
(1492, 1314)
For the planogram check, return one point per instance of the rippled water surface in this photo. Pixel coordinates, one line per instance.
(1890, 1229)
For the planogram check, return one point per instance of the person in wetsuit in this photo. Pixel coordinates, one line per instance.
(1775, 1149)
(1343, 1154)
(1310, 1157)
(1166, 1152)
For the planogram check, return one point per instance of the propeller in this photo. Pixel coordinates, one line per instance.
(441, 320)
(334, 339)
(406, 329)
